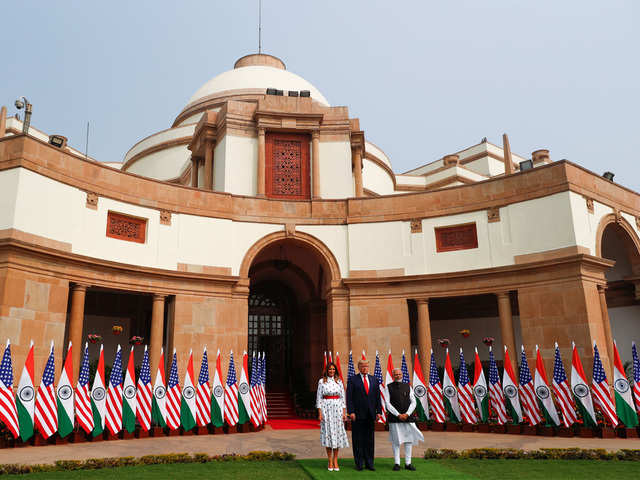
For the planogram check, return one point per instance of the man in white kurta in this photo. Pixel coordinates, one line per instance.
(401, 403)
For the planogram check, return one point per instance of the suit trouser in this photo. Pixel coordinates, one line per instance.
(362, 438)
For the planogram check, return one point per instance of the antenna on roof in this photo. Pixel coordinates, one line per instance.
(259, 26)
(86, 145)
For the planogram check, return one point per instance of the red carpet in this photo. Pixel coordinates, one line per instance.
(293, 423)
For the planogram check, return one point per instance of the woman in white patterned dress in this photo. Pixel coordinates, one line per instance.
(331, 405)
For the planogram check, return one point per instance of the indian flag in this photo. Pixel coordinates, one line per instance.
(244, 402)
(541, 385)
(622, 392)
(511, 390)
(217, 399)
(480, 389)
(420, 390)
(450, 392)
(64, 397)
(129, 393)
(26, 399)
(159, 403)
(581, 391)
(188, 404)
(99, 397)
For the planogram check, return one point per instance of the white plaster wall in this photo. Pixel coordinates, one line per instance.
(412, 180)
(625, 328)
(335, 238)
(242, 165)
(244, 235)
(426, 168)
(162, 165)
(220, 174)
(336, 178)
(377, 152)
(376, 179)
(9, 180)
(204, 241)
(376, 246)
(585, 224)
(487, 166)
(160, 137)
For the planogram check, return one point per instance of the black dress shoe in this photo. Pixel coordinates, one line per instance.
(371, 467)
(359, 468)
(410, 467)
(396, 467)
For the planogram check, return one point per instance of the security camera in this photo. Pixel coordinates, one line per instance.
(19, 104)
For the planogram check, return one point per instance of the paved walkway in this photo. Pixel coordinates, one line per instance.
(302, 443)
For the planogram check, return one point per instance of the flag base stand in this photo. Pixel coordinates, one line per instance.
(243, 428)
(213, 430)
(453, 427)
(79, 436)
(496, 428)
(128, 435)
(586, 432)
(380, 427)
(438, 427)
(606, 432)
(156, 432)
(624, 432)
(185, 433)
(543, 431)
(140, 433)
(468, 427)
(172, 433)
(92, 439)
(109, 436)
(514, 429)
(564, 432)
(422, 426)
(201, 431)
(19, 443)
(483, 428)
(61, 440)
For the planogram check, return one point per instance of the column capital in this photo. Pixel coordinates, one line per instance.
(261, 131)
(602, 288)
(158, 297)
(315, 134)
(421, 301)
(502, 295)
(79, 287)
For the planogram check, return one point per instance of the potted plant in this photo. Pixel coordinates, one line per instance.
(465, 332)
(488, 341)
(135, 340)
(444, 342)
(94, 338)
(116, 329)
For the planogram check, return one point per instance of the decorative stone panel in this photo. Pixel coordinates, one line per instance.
(416, 225)
(165, 217)
(493, 214)
(124, 227)
(287, 165)
(92, 200)
(456, 237)
(589, 204)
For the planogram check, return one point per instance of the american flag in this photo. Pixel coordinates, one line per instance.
(563, 391)
(636, 376)
(254, 393)
(377, 372)
(46, 421)
(600, 388)
(114, 396)
(263, 387)
(496, 396)
(527, 392)
(231, 395)
(8, 409)
(435, 392)
(174, 395)
(351, 371)
(203, 397)
(465, 393)
(405, 370)
(84, 414)
(143, 396)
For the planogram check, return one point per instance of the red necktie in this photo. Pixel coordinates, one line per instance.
(366, 384)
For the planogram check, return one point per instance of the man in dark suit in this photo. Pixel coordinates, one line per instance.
(364, 408)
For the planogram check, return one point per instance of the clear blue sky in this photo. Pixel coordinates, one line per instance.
(425, 78)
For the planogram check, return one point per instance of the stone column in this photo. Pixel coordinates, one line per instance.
(506, 327)
(194, 172)
(606, 324)
(157, 331)
(424, 333)
(338, 328)
(208, 165)
(260, 188)
(76, 322)
(357, 170)
(315, 169)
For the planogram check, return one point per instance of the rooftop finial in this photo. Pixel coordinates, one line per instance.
(259, 27)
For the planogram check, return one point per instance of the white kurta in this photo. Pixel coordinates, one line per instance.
(403, 432)
(332, 432)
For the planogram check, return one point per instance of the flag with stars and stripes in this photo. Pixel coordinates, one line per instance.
(480, 389)
(563, 391)
(600, 388)
(99, 397)
(581, 390)
(46, 409)
(173, 395)
(420, 390)
(339, 366)
(263, 386)
(64, 396)
(203, 395)
(450, 392)
(26, 398)
(625, 410)
(129, 404)
(231, 395)
(8, 408)
(435, 392)
(636, 376)
(543, 393)
(244, 397)
(159, 400)
(254, 392)
(377, 372)
(351, 371)
(114, 396)
(527, 391)
(84, 415)
(405, 370)
(188, 409)
(496, 397)
(465, 393)
(143, 395)
(217, 394)
(510, 390)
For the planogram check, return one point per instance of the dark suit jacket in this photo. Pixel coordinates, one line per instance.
(358, 402)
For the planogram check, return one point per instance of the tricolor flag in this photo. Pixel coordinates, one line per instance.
(330, 358)
(512, 402)
(114, 396)
(263, 386)
(173, 395)
(563, 391)
(203, 395)
(364, 357)
(377, 372)
(244, 399)
(159, 401)
(99, 397)
(129, 393)
(84, 415)
(581, 391)
(26, 400)
(527, 391)
(465, 393)
(420, 390)
(144, 395)
(339, 366)
(496, 397)
(480, 389)
(622, 392)
(450, 391)
(405, 370)
(231, 395)
(8, 409)
(254, 393)
(351, 371)
(217, 397)
(64, 396)
(636, 379)
(600, 388)
(324, 362)
(435, 392)
(188, 409)
(46, 421)
(543, 393)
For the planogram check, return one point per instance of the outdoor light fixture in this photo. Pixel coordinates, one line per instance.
(279, 93)
(526, 165)
(58, 141)
(609, 176)
(271, 91)
(21, 103)
(305, 93)
(293, 93)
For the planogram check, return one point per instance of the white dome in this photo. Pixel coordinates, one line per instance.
(256, 77)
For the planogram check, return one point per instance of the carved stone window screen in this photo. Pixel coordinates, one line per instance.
(287, 165)
(456, 237)
(124, 227)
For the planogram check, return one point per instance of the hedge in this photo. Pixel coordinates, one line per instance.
(541, 454)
